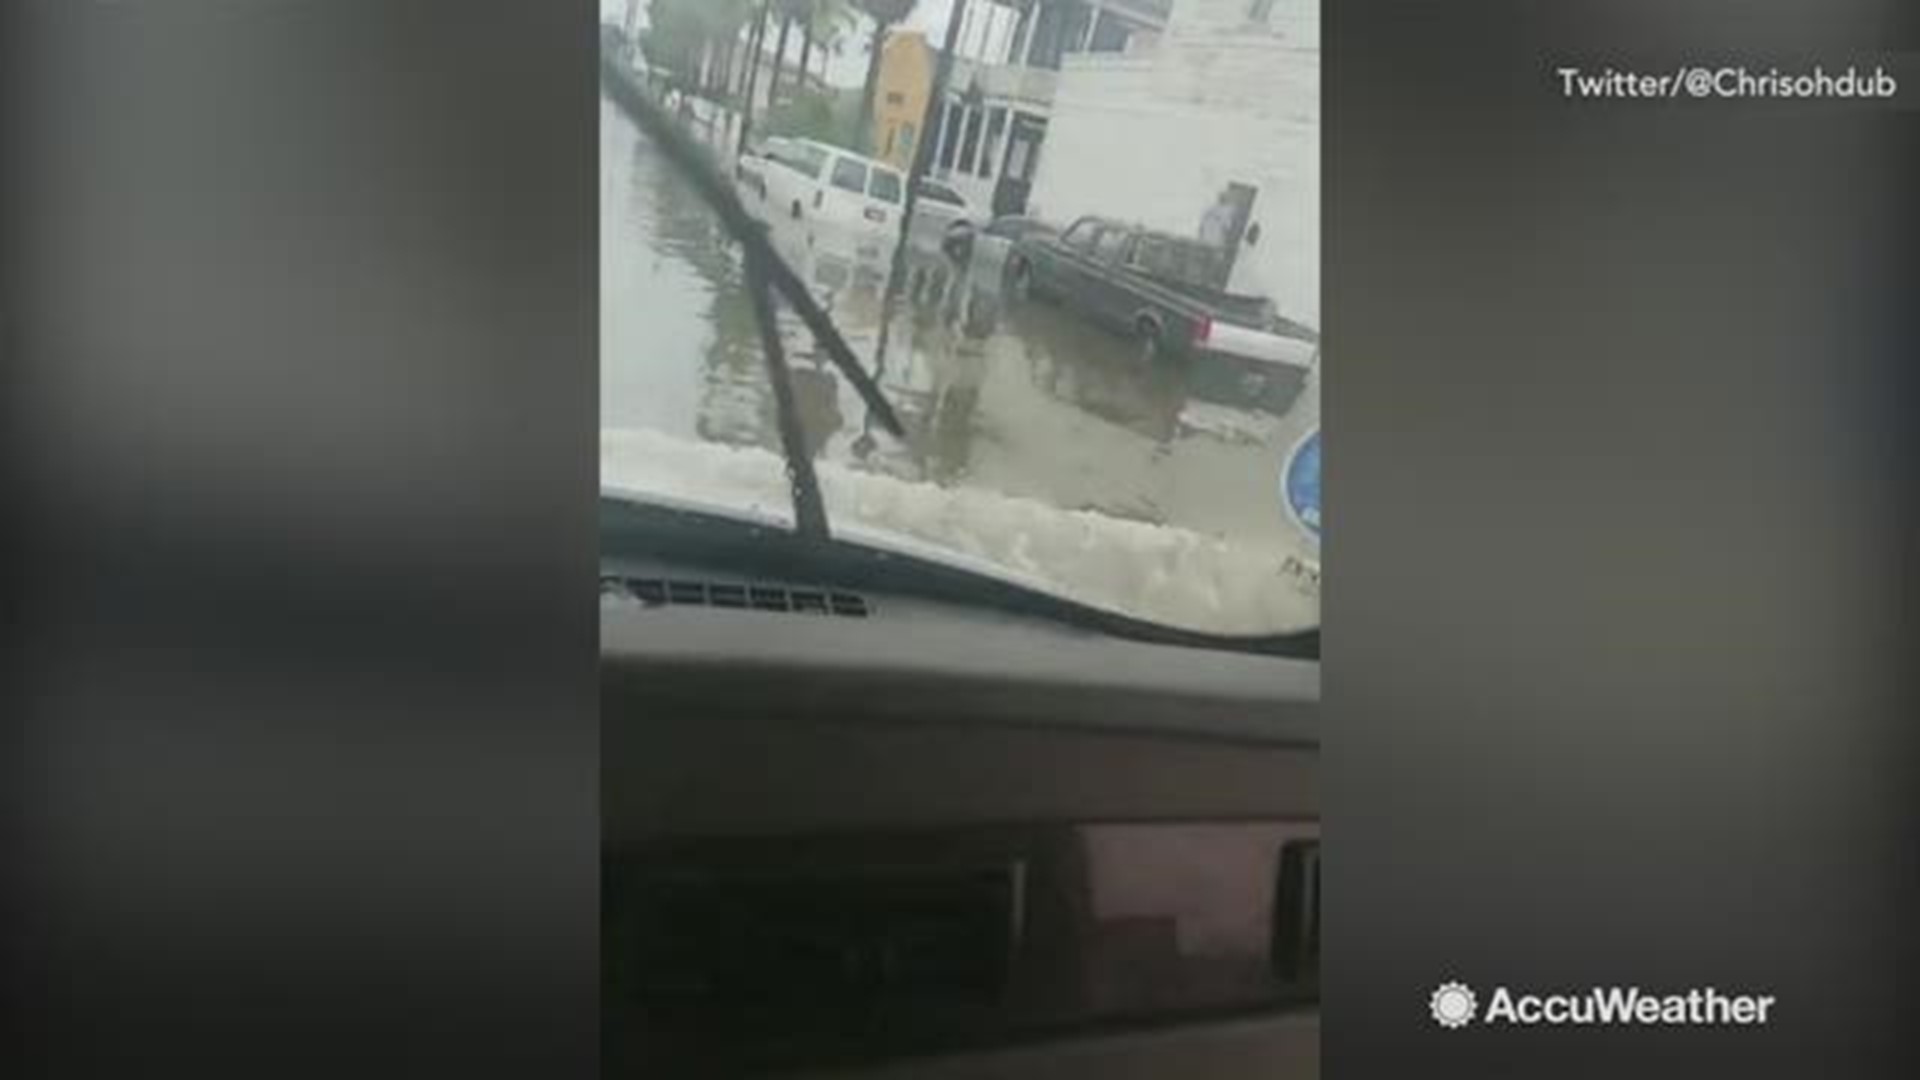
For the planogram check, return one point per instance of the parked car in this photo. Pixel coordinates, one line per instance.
(1158, 288)
(805, 179)
(942, 209)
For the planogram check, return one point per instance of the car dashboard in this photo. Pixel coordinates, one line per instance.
(848, 832)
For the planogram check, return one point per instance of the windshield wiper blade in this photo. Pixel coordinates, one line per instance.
(809, 508)
(681, 151)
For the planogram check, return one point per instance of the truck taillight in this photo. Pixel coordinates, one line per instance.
(1202, 330)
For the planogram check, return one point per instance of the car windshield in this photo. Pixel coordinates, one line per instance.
(1069, 424)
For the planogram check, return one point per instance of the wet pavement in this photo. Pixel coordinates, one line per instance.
(1018, 399)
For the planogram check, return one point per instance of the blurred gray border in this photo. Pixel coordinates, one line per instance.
(1616, 479)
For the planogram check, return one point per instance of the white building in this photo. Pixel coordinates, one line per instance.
(1000, 93)
(1228, 95)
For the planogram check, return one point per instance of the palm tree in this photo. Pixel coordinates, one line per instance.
(886, 14)
(826, 20)
(756, 40)
(694, 37)
(756, 50)
(790, 11)
(720, 22)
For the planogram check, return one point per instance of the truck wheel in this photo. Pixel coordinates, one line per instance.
(1152, 343)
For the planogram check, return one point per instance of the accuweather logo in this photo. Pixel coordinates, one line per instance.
(1454, 1005)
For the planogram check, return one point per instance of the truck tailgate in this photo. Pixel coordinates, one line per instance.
(1259, 345)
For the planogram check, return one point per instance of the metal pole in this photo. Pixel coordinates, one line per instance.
(809, 508)
(922, 157)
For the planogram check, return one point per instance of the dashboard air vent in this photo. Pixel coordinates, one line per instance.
(744, 596)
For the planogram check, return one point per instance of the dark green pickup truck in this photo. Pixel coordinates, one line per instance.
(1159, 289)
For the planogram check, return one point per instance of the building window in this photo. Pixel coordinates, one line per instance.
(895, 97)
(996, 129)
(1110, 34)
(1017, 156)
(906, 139)
(1023, 147)
(949, 135)
(1079, 26)
(970, 145)
(1049, 35)
(1022, 34)
(1260, 11)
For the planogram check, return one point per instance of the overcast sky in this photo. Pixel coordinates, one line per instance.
(988, 26)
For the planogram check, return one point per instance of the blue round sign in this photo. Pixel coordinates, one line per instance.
(1300, 484)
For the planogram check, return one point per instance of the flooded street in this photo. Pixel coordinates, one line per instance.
(1011, 407)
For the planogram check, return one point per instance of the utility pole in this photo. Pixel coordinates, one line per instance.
(922, 157)
(936, 110)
